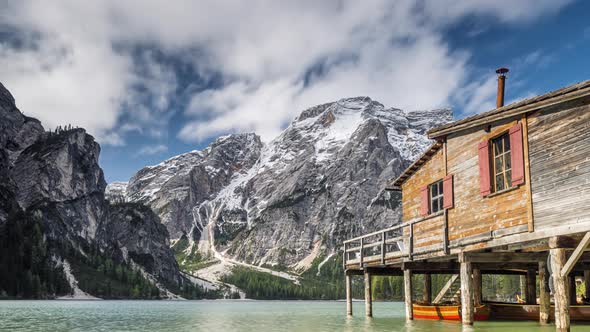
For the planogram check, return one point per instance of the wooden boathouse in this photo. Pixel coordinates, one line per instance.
(502, 192)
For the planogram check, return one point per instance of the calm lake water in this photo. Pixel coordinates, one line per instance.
(219, 316)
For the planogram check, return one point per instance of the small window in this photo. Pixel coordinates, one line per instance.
(502, 169)
(436, 196)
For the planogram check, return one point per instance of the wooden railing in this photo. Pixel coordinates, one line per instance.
(393, 242)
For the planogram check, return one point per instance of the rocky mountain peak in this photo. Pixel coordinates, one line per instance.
(289, 201)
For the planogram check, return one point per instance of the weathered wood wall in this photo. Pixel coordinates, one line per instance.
(559, 151)
(473, 214)
(429, 232)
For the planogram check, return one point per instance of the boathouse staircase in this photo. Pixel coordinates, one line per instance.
(451, 291)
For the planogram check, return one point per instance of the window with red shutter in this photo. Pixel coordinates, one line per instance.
(424, 201)
(448, 191)
(517, 156)
(484, 168)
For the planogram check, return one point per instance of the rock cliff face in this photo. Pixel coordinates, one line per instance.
(53, 179)
(296, 198)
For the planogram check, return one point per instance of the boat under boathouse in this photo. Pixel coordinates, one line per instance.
(502, 192)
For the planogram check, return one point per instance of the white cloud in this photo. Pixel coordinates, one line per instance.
(149, 150)
(79, 66)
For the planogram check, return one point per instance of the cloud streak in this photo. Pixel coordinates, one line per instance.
(91, 64)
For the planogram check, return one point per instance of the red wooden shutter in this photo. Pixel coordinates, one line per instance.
(424, 201)
(484, 168)
(516, 154)
(448, 191)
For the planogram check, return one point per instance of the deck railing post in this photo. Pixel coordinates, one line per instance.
(361, 252)
(411, 242)
(383, 237)
(344, 257)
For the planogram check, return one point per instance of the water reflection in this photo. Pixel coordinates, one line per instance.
(221, 316)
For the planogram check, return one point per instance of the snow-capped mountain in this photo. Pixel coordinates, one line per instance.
(296, 198)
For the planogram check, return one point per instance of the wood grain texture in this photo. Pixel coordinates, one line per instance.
(560, 290)
(408, 294)
(466, 294)
(544, 293)
(559, 153)
(368, 295)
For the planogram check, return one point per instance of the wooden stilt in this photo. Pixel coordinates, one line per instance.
(368, 295)
(466, 293)
(587, 283)
(427, 295)
(572, 289)
(544, 301)
(477, 287)
(560, 289)
(348, 295)
(408, 294)
(522, 287)
(531, 287)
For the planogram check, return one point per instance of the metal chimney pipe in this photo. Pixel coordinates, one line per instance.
(501, 84)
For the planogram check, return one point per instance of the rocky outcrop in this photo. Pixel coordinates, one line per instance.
(51, 181)
(177, 186)
(135, 232)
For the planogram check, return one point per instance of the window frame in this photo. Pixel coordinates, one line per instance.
(439, 198)
(506, 155)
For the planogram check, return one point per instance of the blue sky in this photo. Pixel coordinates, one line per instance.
(151, 80)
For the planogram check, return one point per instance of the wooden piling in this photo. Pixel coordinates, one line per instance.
(408, 294)
(427, 295)
(348, 295)
(531, 286)
(560, 290)
(477, 287)
(544, 301)
(587, 283)
(368, 295)
(572, 289)
(466, 293)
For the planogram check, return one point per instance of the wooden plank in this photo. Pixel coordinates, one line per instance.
(511, 257)
(560, 291)
(544, 300)
(467, 309)
(408, 294)
(481, 237)
(527, 171)
(576, 255)
(445, 288)
(498, 233)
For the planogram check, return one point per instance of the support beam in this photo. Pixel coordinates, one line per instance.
(531, 287)
(544, 301)
(466, 293)
(522, 287)
(408, 294)
(587, 283)
(368, 295)
(576, 255)
(477, 287)
(560, 290)
(427, 295)
(348, 295)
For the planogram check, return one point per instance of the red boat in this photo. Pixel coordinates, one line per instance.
(447, 312)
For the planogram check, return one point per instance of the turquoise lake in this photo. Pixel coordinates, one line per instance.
(219, 316)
